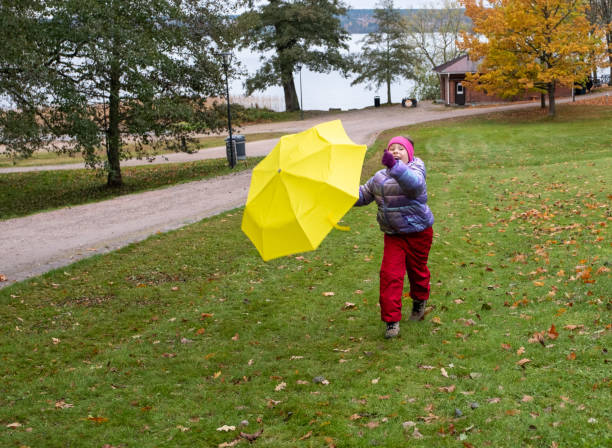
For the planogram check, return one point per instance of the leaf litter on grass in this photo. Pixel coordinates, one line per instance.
(277, 311)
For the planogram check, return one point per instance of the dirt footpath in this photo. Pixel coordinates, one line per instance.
(38, 243)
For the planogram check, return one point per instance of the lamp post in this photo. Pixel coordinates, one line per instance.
(230, 147)
(299, 67)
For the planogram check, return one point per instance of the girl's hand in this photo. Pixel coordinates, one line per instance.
(388, 160)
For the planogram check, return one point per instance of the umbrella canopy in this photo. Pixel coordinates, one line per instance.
(302, 189)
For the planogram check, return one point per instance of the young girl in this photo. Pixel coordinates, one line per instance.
(400, 192)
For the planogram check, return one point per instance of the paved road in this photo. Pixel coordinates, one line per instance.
(35, 244)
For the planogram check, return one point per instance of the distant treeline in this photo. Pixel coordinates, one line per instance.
(361, 21)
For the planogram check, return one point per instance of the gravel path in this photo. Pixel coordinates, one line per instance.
(38, 243)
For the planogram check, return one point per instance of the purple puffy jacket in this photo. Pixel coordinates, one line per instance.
(401, 196)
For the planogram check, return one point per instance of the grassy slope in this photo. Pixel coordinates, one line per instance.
(163, 342)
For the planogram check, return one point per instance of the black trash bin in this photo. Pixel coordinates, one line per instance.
(239, 141)
(376, 101)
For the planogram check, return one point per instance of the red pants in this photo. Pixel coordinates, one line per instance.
(404, 253)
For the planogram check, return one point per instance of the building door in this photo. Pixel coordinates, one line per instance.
(459, 94)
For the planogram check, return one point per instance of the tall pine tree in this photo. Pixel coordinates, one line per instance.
(386, 55)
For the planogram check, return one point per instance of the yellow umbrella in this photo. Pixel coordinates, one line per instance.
(302, 189)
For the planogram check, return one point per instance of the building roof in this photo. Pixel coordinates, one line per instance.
(461, 64)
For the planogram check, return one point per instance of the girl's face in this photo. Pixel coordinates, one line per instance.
(399, 152)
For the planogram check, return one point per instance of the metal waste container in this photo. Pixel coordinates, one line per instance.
(239, 141)
(376, 101)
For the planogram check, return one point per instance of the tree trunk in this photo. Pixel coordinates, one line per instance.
(113, 151)
(388, 90)
(542, 101)
(551, 99)
(291, 100)
(609, 40)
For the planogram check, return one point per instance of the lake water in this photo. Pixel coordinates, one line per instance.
(320, 91)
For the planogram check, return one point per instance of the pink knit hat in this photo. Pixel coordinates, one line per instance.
(405, 143)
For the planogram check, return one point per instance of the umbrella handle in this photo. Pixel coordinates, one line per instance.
(337, 226)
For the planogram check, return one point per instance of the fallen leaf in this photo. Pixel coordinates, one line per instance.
(55, 341)
(513, 412)
(371, 425)
(14, 425)
(355, 417)
(552, 332)
(426, 367)
(306, 436)
(251, 437)
(447, 389)
(280, 387)
(226, 428)
(206, 315)
(506, 346)
(201, 331)
(61, 404)
(235, 337)
(527, 398)
(329, 294)
(182, 428)
(443, 372)
(234, 442)
(574, 327)
(523, 361)
(520, 351)
(348, 305)
(97, 419)
(571, 356)
(494, 400)
(375, 380)
(416, 434)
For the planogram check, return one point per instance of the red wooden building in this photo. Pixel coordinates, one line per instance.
(455, 92)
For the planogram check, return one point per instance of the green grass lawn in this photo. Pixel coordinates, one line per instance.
(167, 341)
(43, 157)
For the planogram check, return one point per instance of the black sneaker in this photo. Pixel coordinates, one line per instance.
(418, 310)
(392, 330)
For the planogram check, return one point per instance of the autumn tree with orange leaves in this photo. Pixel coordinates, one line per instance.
(531, 45)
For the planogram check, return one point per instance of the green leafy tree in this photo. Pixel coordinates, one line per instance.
(294, 33)
(386, 56)
(99, 72)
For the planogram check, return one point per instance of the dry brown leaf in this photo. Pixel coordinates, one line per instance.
(306, 436)
(520, 351)
(280, 386)
(329, 294)
(443, 372)
(373, 424)
(523, 361)
(571, 356)
(97, 419)
(226, 428)
(552, 332)
(355, 417)
(448, 389)
(494, 400)
(14, 425)
(251, 437)
(527, 398)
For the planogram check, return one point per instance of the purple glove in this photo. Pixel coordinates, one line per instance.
(388, 160)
